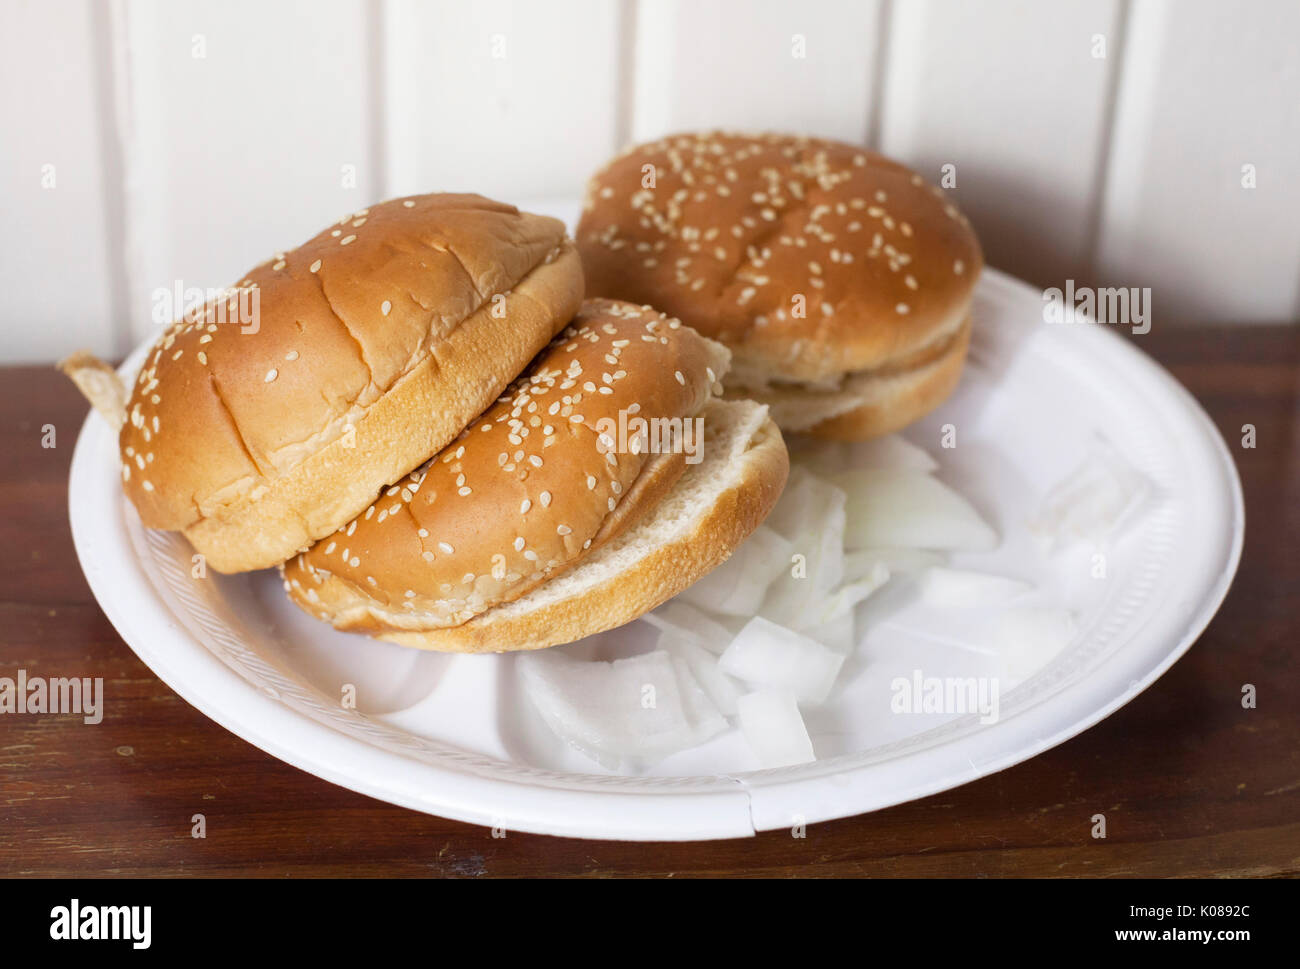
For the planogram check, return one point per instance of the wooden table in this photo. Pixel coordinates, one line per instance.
(1191, 783)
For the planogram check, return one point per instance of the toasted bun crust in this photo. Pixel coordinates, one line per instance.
(534, 484)
(869, 403)
(710, 511)
(371, 346)
(737, 227)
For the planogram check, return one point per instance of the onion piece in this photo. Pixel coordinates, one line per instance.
(626, 714)
(769, 656)
(827, 458)
(683, 618)
(721, 689)
(774, 729)
(828, 608)
(893, 452)
(839, 634)
(859, 565)
(948, 587)
(810, 515)
(912, 510)
(1093, 500)
(737, 586)
(1026, 639)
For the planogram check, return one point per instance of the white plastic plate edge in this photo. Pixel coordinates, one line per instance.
(481, 791)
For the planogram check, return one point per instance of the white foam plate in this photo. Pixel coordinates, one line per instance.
(454, 736)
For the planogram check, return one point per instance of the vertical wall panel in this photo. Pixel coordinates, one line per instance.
(1010, 92)
(509, 99)
(245, 130)
(755, 64)
(56, 270)
(1208, 88)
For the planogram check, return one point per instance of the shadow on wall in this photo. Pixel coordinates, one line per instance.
(1009, 214)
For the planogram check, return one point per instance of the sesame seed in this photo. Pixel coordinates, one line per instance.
(315, 266)
(385, 307)
(680, 379)
(545, 498)
(901, 308)
(446, 549)
(271, 375)
(409, 204)
(291, 355)
(524, 506)
(346, 239)
(563, 530)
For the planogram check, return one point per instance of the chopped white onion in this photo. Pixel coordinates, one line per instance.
(829, 457)
(769, 656)
(737, 586)
(910, 509)
(860, 564)
(825, 609)
(683, 618)
(626, 714)
(703, 665)
(1093, 500)
(893, 452)
(948, 587)
(839, 634)
(774, 729)
(1026, 639)
(810, 515)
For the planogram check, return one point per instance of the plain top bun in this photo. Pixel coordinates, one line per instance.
(374, 344)
(740, 234)
(525, 491)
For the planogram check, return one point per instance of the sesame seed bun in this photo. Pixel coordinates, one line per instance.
(817, 262)
(374, 344)
(711, 509)
(538, 486)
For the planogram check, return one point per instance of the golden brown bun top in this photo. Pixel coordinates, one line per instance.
(727, 231)
(525, 490)
(220, 407)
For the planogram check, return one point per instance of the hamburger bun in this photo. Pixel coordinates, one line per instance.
(834, 274)
(373, 345)
(542, 523)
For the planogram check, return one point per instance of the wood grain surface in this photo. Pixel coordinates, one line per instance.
(1191, 783)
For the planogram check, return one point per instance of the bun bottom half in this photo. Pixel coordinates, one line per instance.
(695, 527)
(866, 404)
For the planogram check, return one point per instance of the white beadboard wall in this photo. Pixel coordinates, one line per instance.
(151, 142)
